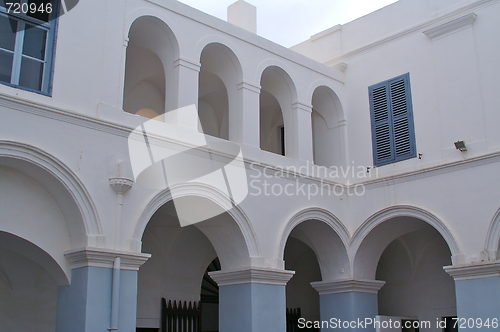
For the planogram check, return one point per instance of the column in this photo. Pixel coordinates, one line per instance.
(115, 48)
(102, 295)
(248, 121)
(252, 300)
(187, 73)
(349, 301)
(302, 128)
(477, 287)
(344, 154)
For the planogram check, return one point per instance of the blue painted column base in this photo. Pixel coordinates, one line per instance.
(348, 305)
(252, 300)
(477, 287)
(85, 305)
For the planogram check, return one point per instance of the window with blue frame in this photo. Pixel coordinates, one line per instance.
(27, 43)
(393, 133)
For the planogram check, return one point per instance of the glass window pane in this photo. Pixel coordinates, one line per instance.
(38, 9)
(34, 42)
(5, 66)
(31, 74)
(8, 29)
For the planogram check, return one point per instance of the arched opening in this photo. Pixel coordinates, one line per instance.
(149, 70)
(181, 258)
(40, 211)
(408, 254)
(328, 135)
(316, 253)
(217, 104)
(28, 286)
(213, 106)
(45, 211)
(277, 95)
(210, 298)
(492, 245)
(416, 285)
(272, 127)
(300, 295)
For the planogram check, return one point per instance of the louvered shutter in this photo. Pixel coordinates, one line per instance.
(393, 134)
(383, 150)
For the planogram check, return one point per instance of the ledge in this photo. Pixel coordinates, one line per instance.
(302, 106)
(188, 64)
(95, 257)
(474, 271)
(416, 28)
(347, 286)
(342, 66)
(451, 26)
(252, 275)
(249, 86)
(119, 129)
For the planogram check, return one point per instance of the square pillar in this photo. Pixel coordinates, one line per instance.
(248, 120)
(252, 300)
(477, 287)
(100, 297)
(349, 301)
(188, 74)
(302, 130)
(115, 48)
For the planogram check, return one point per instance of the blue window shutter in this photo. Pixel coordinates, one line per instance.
(393, 134)
(382, 137)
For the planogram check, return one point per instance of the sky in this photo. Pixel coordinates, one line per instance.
(289, 22)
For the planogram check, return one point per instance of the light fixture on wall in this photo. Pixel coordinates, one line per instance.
(460, 145)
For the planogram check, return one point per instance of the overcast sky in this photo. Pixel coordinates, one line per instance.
(289, 22)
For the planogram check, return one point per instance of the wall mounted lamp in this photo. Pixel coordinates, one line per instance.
(460, 145)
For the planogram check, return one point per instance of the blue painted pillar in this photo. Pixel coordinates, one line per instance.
(348, 305)
(477, 287)
(86, 305)
(252, 300)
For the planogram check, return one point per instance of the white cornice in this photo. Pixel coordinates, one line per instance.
(340, 66)
(419, 27)
(94, 257)
(474, 271)
(434, 170)
(451, 26)
(252, 275)
(347, 286)
(248, 38)
(120, 130)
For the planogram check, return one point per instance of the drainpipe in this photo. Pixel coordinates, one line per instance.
(120, 185)
(115, 295)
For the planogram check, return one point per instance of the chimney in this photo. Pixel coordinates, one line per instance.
(244, 15)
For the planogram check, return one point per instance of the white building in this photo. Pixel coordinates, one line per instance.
(335, 159)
